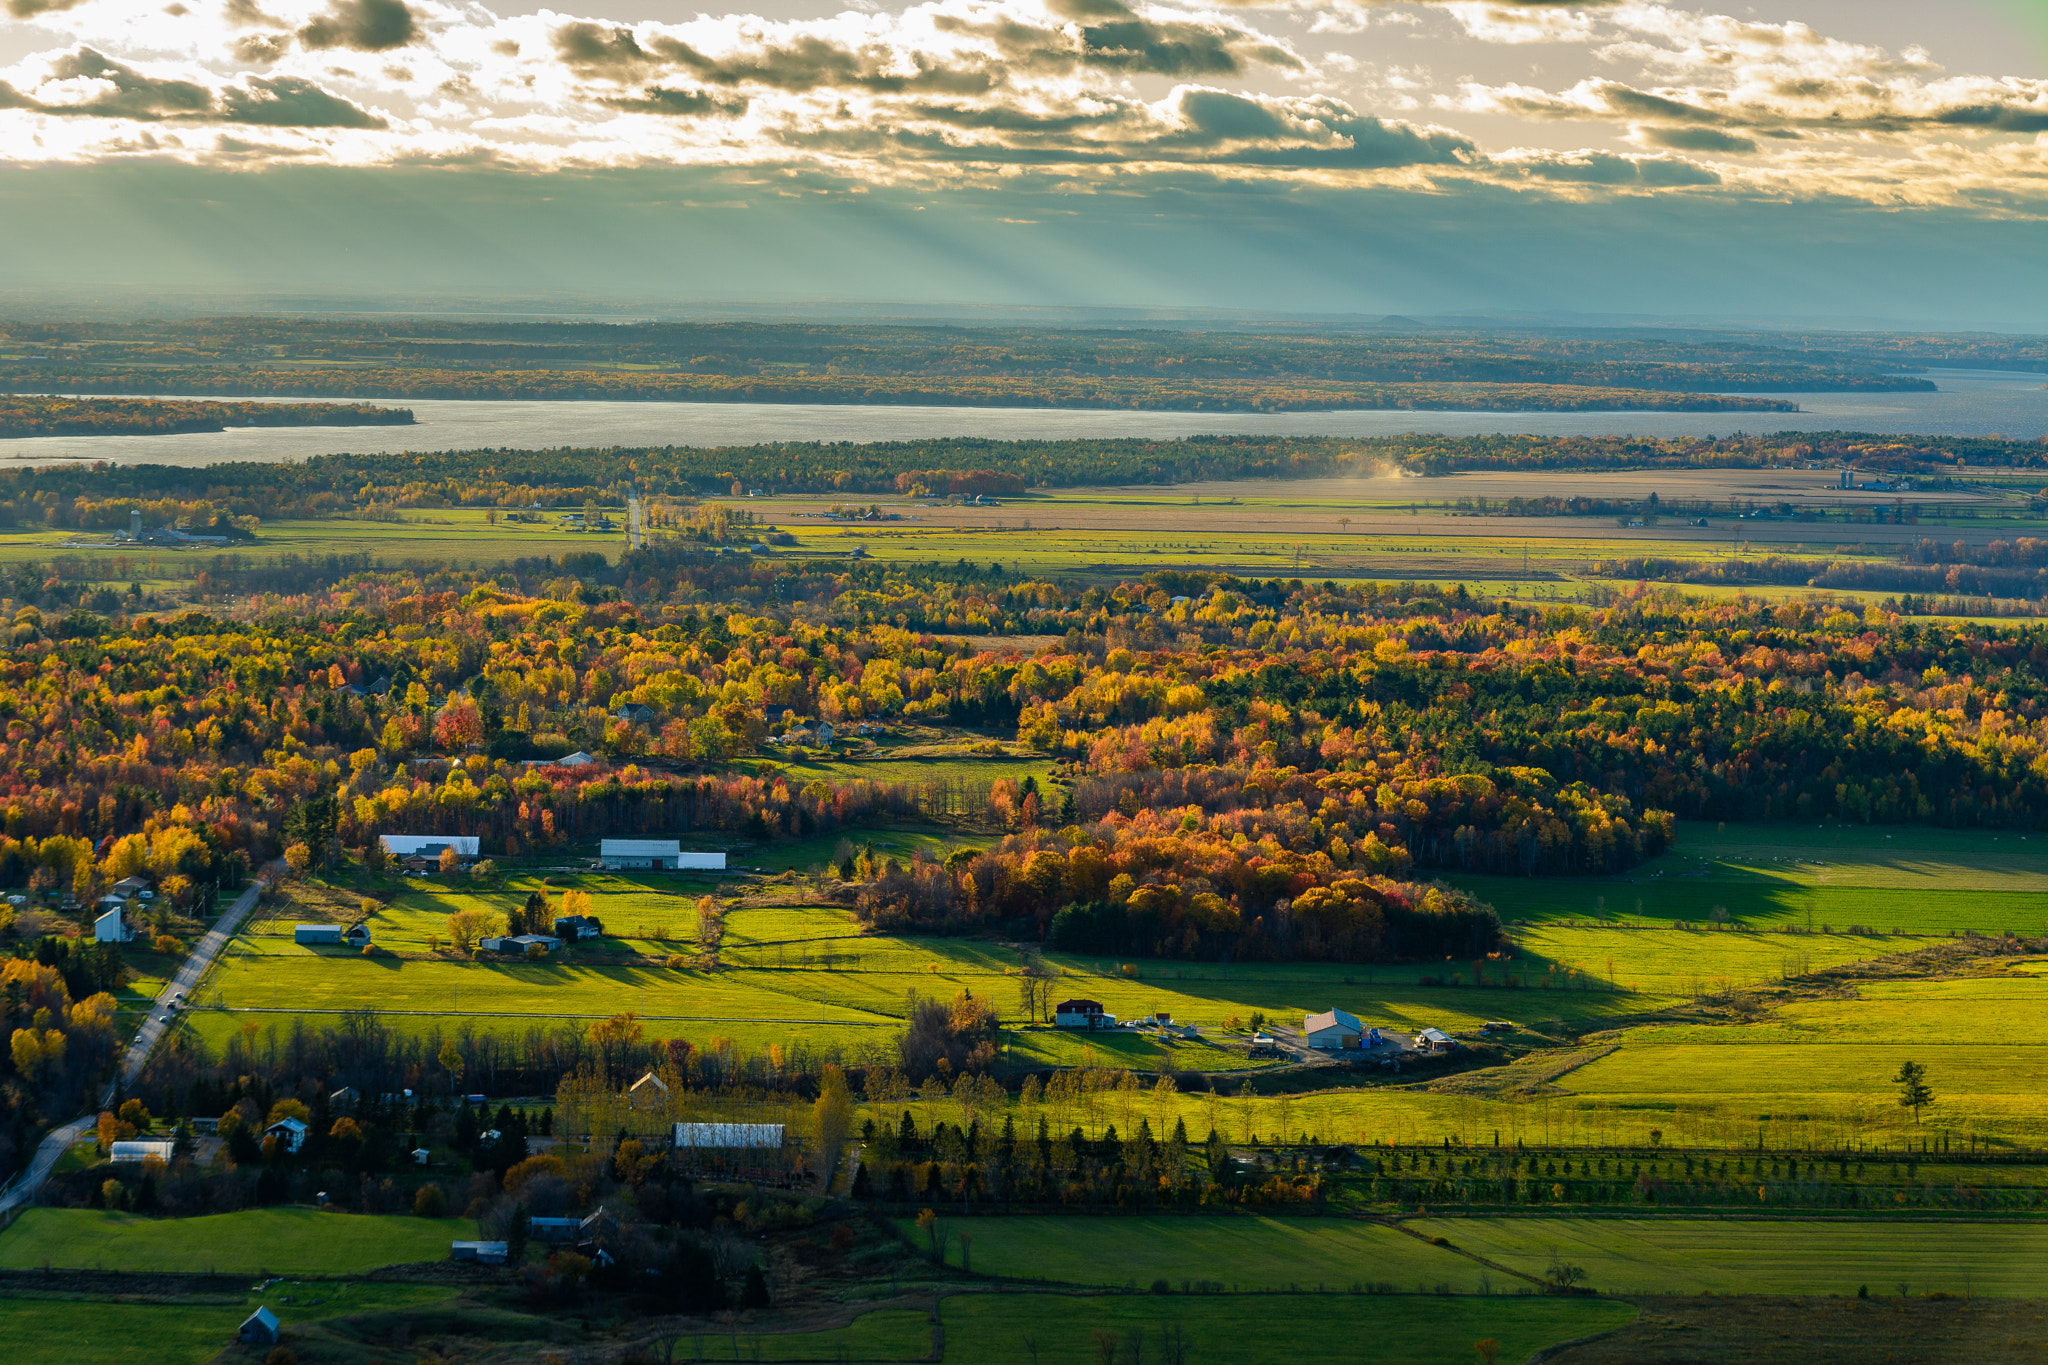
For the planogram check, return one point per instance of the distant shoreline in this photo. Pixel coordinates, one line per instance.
(1127, 396)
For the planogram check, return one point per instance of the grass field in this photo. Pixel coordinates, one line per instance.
(276, 1241)
(1280, 1329)
(1918, 880)
(1246, 1254)
(1689, 1256)
(1983, 1041)
(66, 1331)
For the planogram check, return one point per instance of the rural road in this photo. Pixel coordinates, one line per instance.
(23, 1188)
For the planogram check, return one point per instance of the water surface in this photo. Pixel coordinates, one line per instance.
(1969, 403)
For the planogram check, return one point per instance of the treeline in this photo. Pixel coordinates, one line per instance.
(1177, 394)
(515, 352)
(375, 484)
(48, 415)
(1849, 575)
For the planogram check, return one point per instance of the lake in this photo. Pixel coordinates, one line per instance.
(1969, 403)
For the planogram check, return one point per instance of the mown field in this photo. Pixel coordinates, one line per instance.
(57, 1330)
(1243, 1254)
(1829, 1064)
(1280, 1329)
(280, 1241)
(1749, 1256)
(1915, 880)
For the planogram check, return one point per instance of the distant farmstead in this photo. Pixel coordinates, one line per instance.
(425, 850)
(289, 1132)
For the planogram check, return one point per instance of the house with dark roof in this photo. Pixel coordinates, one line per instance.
(1080, 1014)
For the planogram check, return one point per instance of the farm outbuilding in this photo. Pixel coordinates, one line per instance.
(355, 935)
(289, 1132)
(112, 927)
(259, 1329)
(655, 855)
(519, 943)
(1332, 1030)
(141, 1150)
(484, 1253)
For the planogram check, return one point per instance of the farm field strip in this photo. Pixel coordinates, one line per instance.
(1244, 1253)
(278, 1241)
(1739, 1256)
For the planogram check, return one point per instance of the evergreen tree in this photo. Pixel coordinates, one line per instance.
(755, 1294)
(515, 1237)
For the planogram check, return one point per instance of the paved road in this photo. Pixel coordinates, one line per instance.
(23, 1188)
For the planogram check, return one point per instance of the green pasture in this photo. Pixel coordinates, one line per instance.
(1830, 1063)
(1263, 1329)
(1911, 879)
(65, 1331)
(1246, 1254)
(274, 1241)
(450, 534)
(815, 851)
(1663, 961)
(1790, 1256)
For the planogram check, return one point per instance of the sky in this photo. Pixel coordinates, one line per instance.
(1824, 162)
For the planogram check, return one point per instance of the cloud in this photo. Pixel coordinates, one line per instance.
(1821, 107)
(678, 104)
(1605, 169)
(1694, 139)
(363, 25)
(949, 49)
(29, 9)
(1071, 96)
(249, 14)
(87, 84)
(289, 102)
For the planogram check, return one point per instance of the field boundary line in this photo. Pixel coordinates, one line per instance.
(1552, 1351)
(1448, 1245)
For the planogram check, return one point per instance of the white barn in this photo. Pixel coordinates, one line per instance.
(1332, 1030)
(657, 854)
(112, 927)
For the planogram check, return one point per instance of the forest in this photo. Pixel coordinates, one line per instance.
(1240, 769)
(475, 358)
(1145, 392)
(51, 415)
